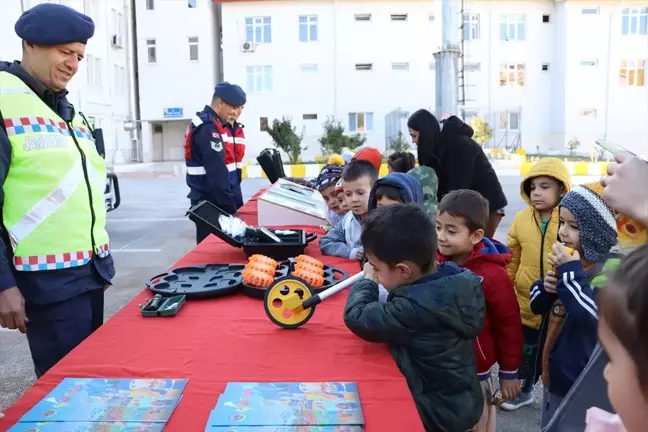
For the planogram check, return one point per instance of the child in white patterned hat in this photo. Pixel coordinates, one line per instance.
(566, 296)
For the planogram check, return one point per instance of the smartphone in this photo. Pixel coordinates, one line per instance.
(611, 147)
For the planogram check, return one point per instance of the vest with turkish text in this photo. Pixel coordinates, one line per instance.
(53, 210)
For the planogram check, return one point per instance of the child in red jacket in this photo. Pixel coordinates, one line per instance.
(461, 219)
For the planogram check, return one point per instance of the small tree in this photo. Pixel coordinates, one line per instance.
(285, 137)
(483, 131)
(334, 140)
(399, 144)
(572, 145)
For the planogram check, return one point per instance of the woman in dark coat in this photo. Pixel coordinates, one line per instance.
(459, 162)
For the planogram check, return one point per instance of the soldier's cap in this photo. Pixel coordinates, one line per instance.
(49, 24)
(231, 94)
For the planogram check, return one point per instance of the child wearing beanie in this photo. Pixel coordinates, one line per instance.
(566, 296)
(325, 184)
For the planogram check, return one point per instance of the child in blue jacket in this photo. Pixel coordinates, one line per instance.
(566, 296)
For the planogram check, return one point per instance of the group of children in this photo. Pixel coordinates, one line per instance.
(451, 303)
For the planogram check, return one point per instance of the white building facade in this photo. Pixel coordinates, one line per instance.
(178, 55)
(101, 87)
(542, 72)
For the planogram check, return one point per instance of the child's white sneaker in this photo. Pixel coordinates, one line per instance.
(522, 399)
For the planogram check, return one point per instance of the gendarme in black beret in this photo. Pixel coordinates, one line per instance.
(231, 94)
(50, 24)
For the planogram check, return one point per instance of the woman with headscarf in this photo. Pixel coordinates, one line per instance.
(459, 162)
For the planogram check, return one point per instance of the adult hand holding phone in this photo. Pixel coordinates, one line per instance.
(625, 186)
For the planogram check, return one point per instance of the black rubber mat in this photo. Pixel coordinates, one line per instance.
(200, 281)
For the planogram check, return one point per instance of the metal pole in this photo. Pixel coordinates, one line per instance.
(447, 58)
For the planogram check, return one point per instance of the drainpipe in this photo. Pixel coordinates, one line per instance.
(133, 79)
(446, 60)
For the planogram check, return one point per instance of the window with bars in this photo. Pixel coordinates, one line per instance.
(512, 75)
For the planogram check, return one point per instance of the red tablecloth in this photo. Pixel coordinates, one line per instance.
(211, 342)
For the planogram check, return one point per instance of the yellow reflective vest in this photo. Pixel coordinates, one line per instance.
(53, 208)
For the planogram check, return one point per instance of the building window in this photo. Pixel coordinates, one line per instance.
(150, 4)
(587, 112)
(308, 28)
(509, 121)
(364, 66)
(311, 67)
(309, 116)
(589, 62)
(468, 115)
(471, 26)
(193, 48)
(362, 17)
(258, 30)
(634, 21)
(192, 4)
(398, 17)
(545, 67)
(431, 18)
(512, 27)
(631, 73)
(263, 123)
(472, 67)
(360, 122)
(590, 11)
(512, 75)
(545, 18)
(151, 50)
(259, 79)
(94, 71)
(400, 66)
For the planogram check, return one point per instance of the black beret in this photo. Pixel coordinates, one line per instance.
(50, 24)
(230, 93)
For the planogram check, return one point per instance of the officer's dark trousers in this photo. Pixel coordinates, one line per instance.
(235, 186)
(56, 329)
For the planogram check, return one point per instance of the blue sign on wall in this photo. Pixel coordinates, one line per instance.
(172, 112)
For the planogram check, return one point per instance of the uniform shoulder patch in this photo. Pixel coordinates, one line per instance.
(217, 146)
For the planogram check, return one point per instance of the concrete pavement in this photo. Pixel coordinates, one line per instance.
(149, 233)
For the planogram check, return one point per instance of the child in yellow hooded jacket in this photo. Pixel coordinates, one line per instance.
(533, 231)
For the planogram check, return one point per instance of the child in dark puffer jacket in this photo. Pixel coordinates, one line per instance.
(430, 318)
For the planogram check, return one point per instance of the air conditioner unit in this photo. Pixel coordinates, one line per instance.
(116, 41)
(248, 47)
